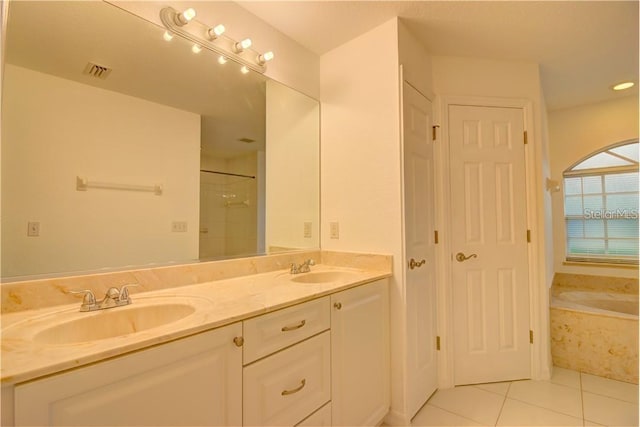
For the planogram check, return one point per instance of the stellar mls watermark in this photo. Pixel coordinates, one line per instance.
(625, 213)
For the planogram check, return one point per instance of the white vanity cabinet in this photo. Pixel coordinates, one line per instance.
(360, 355)
(191, 381)
(318, 363)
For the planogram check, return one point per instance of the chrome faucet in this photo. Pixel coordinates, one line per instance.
(305, 267)
(113, 298)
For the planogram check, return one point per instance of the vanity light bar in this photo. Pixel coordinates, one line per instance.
(214, 39)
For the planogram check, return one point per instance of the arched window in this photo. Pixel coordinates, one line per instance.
(601, 206)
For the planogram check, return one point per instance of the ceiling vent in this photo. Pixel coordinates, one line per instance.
(97, 71)
(247, 140)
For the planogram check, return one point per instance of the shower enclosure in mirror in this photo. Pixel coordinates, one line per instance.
(121, 149)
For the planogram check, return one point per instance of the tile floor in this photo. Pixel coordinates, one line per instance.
(568, 399)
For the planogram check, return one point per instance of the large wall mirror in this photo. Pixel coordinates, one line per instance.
(121, 149)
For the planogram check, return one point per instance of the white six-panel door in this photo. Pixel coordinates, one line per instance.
(419, 220)
(489, 244)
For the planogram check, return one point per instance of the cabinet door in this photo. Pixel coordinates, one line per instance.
(360, 355)
(191, 381)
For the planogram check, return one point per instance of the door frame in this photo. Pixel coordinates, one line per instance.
(538, 304)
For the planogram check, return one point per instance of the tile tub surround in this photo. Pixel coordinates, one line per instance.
(602, 344)
(219, 303)
(34, 294)
(597, 344)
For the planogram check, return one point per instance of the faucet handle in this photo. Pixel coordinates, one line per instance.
(124, 291)
(112, 293)
(89, 297)
(311, 262)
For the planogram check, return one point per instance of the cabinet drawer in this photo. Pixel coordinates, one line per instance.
(285, 388)
(271, 332)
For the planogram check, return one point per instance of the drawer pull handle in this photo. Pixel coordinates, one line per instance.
(295, 390)
(294, 327)
(238, 341)
(338, 305)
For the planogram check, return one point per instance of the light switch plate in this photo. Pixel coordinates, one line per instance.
(334, 230)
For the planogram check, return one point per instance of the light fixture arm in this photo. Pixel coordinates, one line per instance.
(222, 45)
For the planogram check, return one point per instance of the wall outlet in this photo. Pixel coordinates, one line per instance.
(179, 226)
(33, 229)
(334, 230)
(307, 229)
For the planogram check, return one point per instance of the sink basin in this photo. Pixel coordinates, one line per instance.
(323, 276)
(112, 323)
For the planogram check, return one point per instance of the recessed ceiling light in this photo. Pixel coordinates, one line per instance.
(623, 86)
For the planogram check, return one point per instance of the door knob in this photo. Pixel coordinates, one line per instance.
(415, 264)
(460, 257)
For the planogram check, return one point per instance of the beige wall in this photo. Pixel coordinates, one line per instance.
(575, 133)
(292, 187)
(55, 130)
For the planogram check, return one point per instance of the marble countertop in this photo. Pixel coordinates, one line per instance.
(217, 303)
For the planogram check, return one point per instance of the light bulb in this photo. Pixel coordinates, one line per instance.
(196, 49)
(240, 46)
(623, 86)
(244, 69)
(167, 36)
(265, 57)
(216, 31)
(184, 17)
(222, 60)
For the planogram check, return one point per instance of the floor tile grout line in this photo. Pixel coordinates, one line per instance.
(504, 401)
(544, 407)
(454, 413)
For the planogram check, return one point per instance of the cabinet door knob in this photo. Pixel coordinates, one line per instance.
(238, 341)
(338, 305)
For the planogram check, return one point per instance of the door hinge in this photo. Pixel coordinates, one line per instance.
(437, 343)
(528, 236)
(435, 237)
(526, 137)
(531, 336)
(433, 131)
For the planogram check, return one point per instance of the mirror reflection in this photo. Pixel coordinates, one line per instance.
(122, 149)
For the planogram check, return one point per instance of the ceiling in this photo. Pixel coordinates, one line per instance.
(583, 47)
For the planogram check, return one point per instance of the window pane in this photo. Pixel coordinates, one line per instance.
(573, 186)
(621, 182)
(622, 228)
(585, 246)
(622, 204)
(629, 151)
(592, 184)
(593, 204)
(601, 160)
(623, 247)
(573, 206)
(594, 228)
(575, 228)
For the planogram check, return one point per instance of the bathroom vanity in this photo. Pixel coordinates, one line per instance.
(263, 349)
